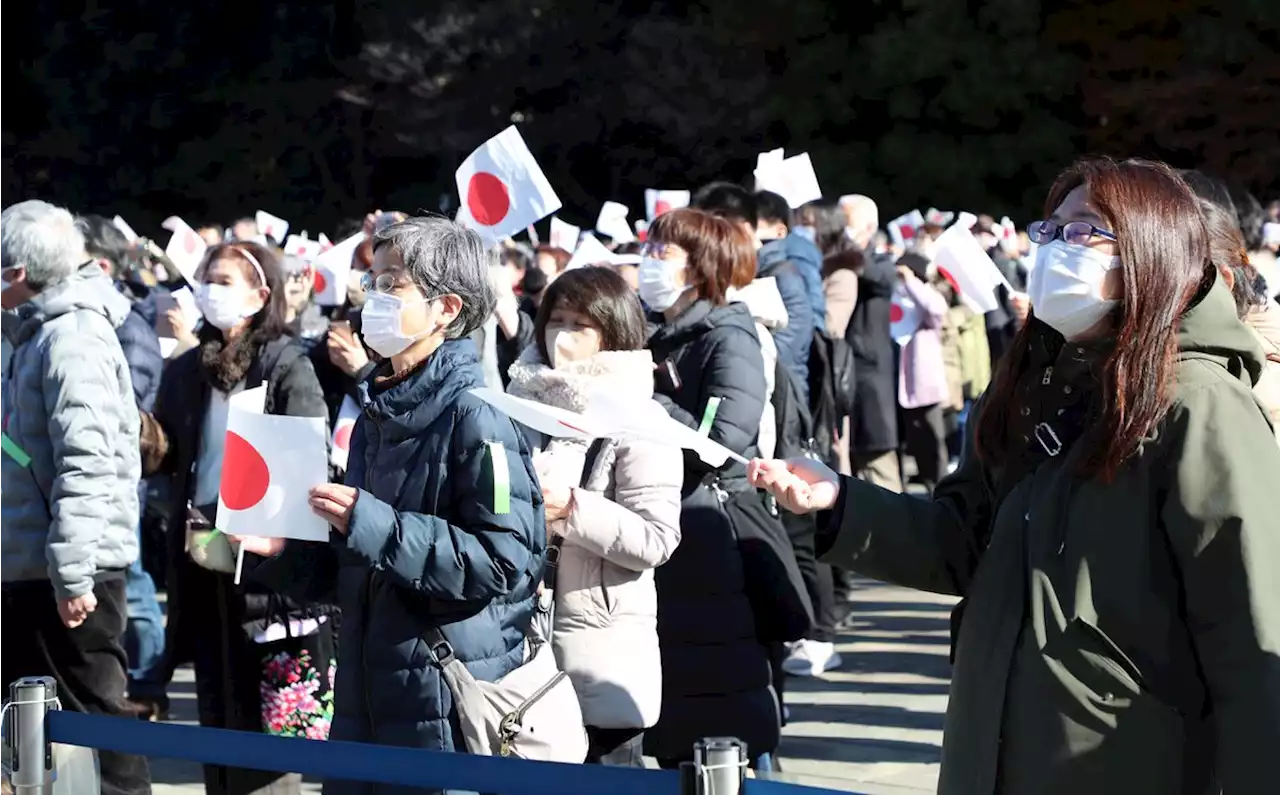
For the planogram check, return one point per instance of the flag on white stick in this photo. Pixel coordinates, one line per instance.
(333, 269)
(125, 229)
(186, 249)
(269, 464)
(303, 249)
(340, 445)
(564, 235)
(325, 242)
(657, 202)
(502, 189)
(590, 252)
(938, 217)
(273, 226)
(613, 222)
(959, 255)
(793, 179)
(903, 229)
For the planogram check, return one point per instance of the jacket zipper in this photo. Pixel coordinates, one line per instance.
(364, 631)
(513, 721)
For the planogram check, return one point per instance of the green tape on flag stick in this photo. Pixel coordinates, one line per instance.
(15, 452)
(203, 539)
(501, 478)
(709, 416)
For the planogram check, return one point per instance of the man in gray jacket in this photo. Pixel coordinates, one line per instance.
(69, 495)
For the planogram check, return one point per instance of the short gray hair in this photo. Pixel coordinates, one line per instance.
(43, 239)
(444, 257)
(864, 206)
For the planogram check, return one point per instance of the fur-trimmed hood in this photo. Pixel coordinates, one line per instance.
(570, 386)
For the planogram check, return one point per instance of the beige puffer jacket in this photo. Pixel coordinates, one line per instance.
(623, 525)
(1265, 324)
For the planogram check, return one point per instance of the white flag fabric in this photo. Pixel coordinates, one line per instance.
(793, 179)
(340, 445)
(269, 463)
(938, 217)
(903, 229)
(186, 249)
(657, 202)
(613, 222)
(960, 255)
(770, 159)
(966, 220)
(590, 252)
(1008, 229)
(303, 249)
(333, 269)
(272, 226)
(325, 242)
(502, 189)
(125, 229)
(905, 316)
(172, 224)
(564, 235)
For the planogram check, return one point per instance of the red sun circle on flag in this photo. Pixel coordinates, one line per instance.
(895, 313)
(321, 282)
(190, 242)
(245, 476)
(661, 206)
(488, 199)
(342, 436)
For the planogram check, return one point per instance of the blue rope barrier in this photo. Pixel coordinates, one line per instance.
(376, 764)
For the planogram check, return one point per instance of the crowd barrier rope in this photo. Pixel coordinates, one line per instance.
(35, 723)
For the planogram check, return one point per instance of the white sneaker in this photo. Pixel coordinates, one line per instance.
(811, 658)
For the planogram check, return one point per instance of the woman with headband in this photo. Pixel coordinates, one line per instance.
(244, 342)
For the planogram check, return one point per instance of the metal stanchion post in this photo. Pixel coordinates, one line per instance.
(721, 765)
(31, 757)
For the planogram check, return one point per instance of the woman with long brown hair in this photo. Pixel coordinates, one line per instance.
(1111, 525)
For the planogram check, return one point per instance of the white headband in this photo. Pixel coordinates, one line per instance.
(257, 266)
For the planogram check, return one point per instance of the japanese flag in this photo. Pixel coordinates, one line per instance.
(959, 257)
(325, 242)
(186, 249)
(269, 463)
(793, 178)
(642, 230)
(564, 235)
(272, 226)
(613, 222)
(342, 429)
(657, 202)
(903, 228)
(303, 249)
(333, 269)
(590, 252)
(1008, 230)
(938, 217)
(502, 189)
(905, 316)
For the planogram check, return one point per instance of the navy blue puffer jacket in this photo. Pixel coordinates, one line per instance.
(426, 547)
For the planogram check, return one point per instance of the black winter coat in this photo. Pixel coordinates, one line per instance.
(715, 673)
(874, 424)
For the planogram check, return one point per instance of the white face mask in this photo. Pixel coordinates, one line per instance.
(1066, 287)
(222, 305)
(658, 287)
(566, 345)
(380, 324)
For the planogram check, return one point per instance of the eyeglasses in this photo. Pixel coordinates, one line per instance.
(1077, 233)
(383, 282)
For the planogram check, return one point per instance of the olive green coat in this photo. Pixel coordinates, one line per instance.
(1118, 638)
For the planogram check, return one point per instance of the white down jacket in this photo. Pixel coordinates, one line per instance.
(624, 523)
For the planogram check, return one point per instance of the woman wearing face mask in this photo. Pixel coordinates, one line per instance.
(425, 535)
(709, 375)
(613, 508)
(1111, 525)
(243, 343)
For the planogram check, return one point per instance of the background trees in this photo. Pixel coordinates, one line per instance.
(320, 110)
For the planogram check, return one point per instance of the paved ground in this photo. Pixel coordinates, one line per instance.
(874, 726)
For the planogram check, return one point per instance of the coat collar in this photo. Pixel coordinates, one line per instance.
(410, 405)
(571, 385)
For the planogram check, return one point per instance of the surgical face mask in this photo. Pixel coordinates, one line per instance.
(566, 345)
(807, 232)
(380, 324)
(1066, 287)
(223, 306)
(658, 288)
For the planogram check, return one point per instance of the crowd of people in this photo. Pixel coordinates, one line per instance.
(1090, 466)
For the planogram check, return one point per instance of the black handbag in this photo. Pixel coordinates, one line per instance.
(778, 596)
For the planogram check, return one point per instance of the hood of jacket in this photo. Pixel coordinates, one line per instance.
(408, 406)
(770, 256)
(764, 302)
(88, 290)
(571, 385)
(1212, 329)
